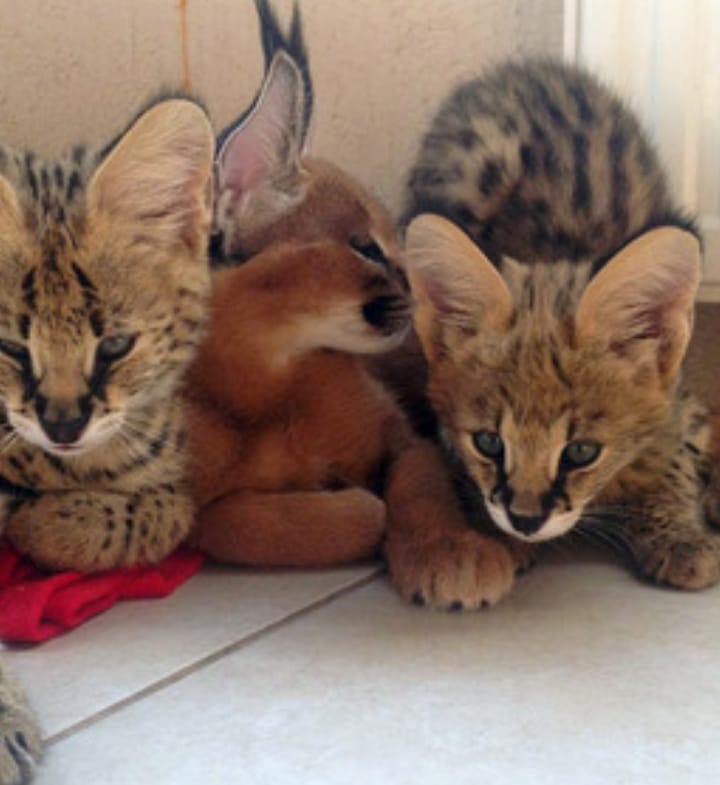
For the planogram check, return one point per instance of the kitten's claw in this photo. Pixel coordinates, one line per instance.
(459, 571)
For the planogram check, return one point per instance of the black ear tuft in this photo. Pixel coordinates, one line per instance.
(266, 146)
(273, 41)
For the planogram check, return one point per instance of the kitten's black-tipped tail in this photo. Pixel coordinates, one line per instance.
(273, 40)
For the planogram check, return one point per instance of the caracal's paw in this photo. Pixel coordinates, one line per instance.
(459, 570)
(20, 743)
(690, 564)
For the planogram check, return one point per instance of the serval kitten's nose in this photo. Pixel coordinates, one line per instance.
(525, 512)
(63, 424)
(526, 524)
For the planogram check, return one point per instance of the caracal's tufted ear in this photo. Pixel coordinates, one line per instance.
(265, 147)
(456, 289)
(159, 174)
(641, 303)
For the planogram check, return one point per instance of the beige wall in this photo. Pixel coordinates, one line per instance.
(74, 70)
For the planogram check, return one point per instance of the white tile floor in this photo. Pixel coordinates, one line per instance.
(582, 676)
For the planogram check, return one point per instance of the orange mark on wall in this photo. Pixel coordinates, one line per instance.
(184, 53)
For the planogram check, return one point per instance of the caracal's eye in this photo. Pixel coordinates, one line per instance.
(488, 443)
(580, 453)
(15, 351)
(115, 347)
(369, 249)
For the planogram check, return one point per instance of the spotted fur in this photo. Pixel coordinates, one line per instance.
(547, 356)
(539, 161)
(105, 280)
(102, 307)
(564, 321)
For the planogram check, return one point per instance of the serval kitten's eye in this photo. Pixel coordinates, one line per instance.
(370, 250)
(115, 347)
(488, 443)
(579, 454)
(15, 351)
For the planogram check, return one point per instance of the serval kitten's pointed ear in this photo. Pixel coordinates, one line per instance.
(265, 147)
(641, 303)
(456, 289)
(159, 174)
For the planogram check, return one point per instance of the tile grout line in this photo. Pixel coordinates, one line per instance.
(209, 659)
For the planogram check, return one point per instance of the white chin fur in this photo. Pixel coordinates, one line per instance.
(342, 329)
(94, 436)
(555, 526)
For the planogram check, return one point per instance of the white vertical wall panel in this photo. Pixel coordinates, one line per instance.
(664, 57)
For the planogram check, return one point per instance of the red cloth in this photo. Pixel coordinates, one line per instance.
(36, 605)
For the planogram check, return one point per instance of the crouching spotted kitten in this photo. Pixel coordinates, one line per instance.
(105, 280)
(555, 339)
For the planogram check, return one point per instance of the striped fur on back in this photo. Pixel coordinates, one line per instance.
(539, 161)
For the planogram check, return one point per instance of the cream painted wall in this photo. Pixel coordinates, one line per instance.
(73, 70)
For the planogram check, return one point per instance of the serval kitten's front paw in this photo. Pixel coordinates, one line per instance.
(20, 744)
(692, 564)
(459, 570)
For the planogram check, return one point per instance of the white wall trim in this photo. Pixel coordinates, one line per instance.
(571, 29)
(662, 57)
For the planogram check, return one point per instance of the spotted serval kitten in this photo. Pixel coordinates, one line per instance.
(105, 278)
(104, 298)
(555, 339)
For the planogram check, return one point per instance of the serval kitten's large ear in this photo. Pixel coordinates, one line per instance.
(265, 147)
(456, 289)
(641, 303)
(159, 175)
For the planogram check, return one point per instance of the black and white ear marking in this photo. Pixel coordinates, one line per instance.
(273, 41)
(266, 145)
